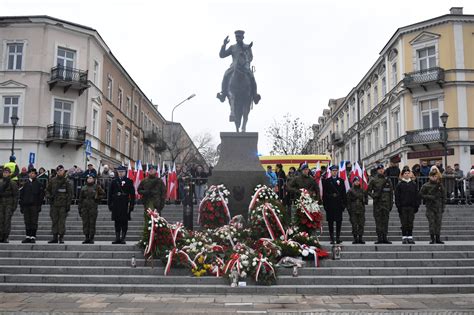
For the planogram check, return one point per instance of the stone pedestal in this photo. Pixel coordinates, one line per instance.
(239, 169)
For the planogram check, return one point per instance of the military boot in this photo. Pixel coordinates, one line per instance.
(33, 237)
(432, 236)
(117, 238)
(356, 239)
(61, 239)
(87, 240)
(54, 240)
(438, 239)
(379, 239)
(91, 239)
(27, 238)
(385, 239)
(5, 238)
(360, 240)
(122, 240)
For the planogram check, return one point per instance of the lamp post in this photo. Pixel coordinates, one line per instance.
(186, 99)
(14, 120)
(444, 120)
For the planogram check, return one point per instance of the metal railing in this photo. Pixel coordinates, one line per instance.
(63, 73)
(65, 132)
(435, 74)
(422, 136)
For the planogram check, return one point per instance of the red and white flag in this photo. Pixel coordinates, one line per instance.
(318, 179)
(365, 178)
(138, 178)
(343, 174)
(173, 184)
(130, 173)
(147, 169)
(356, 171)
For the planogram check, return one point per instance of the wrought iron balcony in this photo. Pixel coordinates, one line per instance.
(424, 78)
(150, 137)
(64, 134)
(425, 136)
(68, 78)
(337, 139)
(160, 145)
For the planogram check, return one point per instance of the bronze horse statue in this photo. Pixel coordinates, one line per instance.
(240, 95)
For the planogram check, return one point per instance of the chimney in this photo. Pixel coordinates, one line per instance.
(456, 10)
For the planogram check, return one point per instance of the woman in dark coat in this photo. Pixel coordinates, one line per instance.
(121, 201)
(334, 201)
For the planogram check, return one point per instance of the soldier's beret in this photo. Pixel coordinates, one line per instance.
(304, 166)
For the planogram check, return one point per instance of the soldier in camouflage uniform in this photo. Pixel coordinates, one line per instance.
(356, 208)
(153, 191)
(59, 193)
(89, 199)
(8, 203)
(381, 191)
(434, 195)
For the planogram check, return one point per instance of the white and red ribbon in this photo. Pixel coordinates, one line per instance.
(171, 255)
(312, 250)
(268, 208)
(151, 240)
(221, 196)
(264, 262)
(255, 197)
(233, 262)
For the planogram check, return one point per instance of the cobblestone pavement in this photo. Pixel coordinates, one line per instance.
(79, 303)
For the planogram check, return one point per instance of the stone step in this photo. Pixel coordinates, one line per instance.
(389, 263)
(226, 289)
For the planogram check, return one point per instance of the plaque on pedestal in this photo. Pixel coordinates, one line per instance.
(239, 169)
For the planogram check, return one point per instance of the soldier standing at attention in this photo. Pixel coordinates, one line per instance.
(121, 201)
(356, 209)
(31, 199)
(89, 199)
(381, 191)
(153, 191)
(407, 201)
(8, 203)
(434, 195)
(59, 193)
(334, 201)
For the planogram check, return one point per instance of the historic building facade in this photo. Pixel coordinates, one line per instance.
(66, 87)
(425, 69)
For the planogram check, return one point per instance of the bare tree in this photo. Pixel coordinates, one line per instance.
(180, 147)
(288, 136)
(206, 146)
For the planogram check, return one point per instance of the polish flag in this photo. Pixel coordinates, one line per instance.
(158, 171)
(356, 171)
(365, 178)
(130, 173)
(138, 177)
(163, 175)
(328, 171)
(343, 174)
(147, 169)
(173, 184)
(318, 179)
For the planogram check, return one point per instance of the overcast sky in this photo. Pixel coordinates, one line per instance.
(305, 52)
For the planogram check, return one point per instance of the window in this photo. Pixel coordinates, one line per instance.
(369, 105)
(110, 84)
(127, 143)
(108, 131)
(376, 138)
(62, 112)
(429, 114)
(376, 95)
(348, 121)
(385, 133)
(128, 108)
(396, 124)
(118, 140)
(342, 125)
(426, 58)
(362, 144)
(353, 114)
(362, 108)
(96, 71)
(369, 142)
(65, 60)
(10, 108)
(95, 122)
(15, 56)
(394, 75)
(135, 148)
(135, 112)
(384, 87)
(120, 98)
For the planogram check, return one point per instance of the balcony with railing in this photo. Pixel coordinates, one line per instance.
(152, 138)
(65, 134)
(337, 139)
(424, 78)
(425, 137)
(68, 78)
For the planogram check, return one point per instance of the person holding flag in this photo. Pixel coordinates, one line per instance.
(334, 201)
(153, 190)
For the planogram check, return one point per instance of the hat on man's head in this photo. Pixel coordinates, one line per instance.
(304, 166)
(59, 167)
(334, 168)
(121, 168)
(239, 32)
(151, 167)
(380, 167)
(12, 158)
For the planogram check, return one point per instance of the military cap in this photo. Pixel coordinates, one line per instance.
(334, 167)
(59, 167)
(304, 166)
(239, 32)
(380, 167)
(121, 168)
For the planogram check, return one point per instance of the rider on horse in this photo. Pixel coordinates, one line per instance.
(237, 50)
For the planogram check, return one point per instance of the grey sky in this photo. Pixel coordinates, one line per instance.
(305, 52)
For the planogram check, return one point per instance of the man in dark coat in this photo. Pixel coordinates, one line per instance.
(121, 201)
(334, 201)
(407, 201)
(381, 191)
(31, 199)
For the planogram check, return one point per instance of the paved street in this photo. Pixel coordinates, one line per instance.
(35, 303)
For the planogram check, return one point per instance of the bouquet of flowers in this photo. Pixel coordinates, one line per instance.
(263, 270)
(308, 214)
(213, 210)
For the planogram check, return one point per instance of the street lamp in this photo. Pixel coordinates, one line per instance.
(444, 120)
(14, 120)
(186, 99)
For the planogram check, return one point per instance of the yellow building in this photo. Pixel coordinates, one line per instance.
(425, 69)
